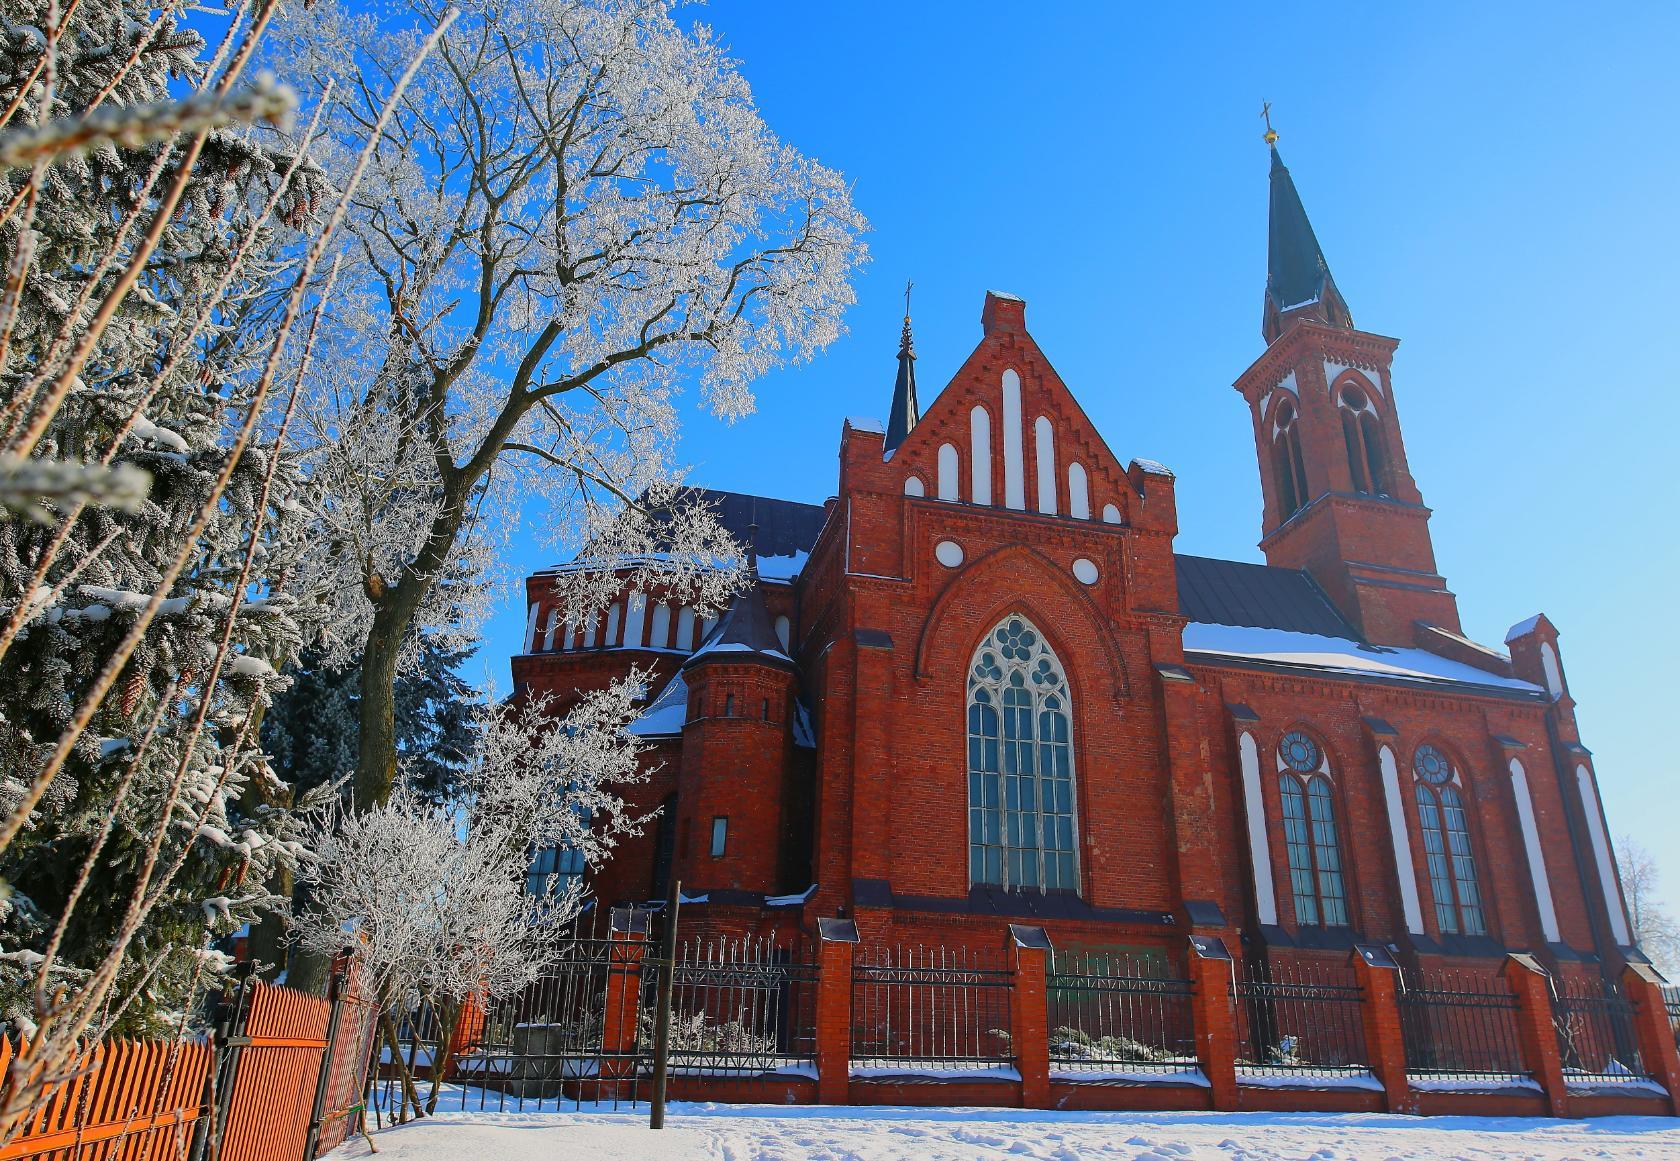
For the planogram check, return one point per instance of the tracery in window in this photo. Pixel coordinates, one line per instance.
(1309, 832)
(1362, 431)
(1288, 468)
(1020, 763)
(1446, 843)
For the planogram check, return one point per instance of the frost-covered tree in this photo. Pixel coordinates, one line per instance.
(137, 314)
(432, 899)
(160, 257)
(1655, 930)
(576, 208)
(309, 731)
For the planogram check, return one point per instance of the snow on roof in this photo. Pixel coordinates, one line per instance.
(864, 423)
(716, 646)
(665, 714)
(782, 568)
(1006, 294)
(1522, 628)
(1154, 468)
(1338, 654)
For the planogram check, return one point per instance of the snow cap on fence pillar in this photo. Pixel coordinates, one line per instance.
(630, 920)
(1375, 955)
(1024, 935)
(837, 931)
(1528, 961)
(1209, 947)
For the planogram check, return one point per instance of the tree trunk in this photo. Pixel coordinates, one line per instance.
(404, 1073)
(376, 742)
(449, 1015)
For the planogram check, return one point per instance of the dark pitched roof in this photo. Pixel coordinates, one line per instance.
(904, 412)
(1230, 592)
(785, 527)
(744, 632)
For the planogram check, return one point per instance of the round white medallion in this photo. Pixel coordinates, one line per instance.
(1085, 571)
(948, 553)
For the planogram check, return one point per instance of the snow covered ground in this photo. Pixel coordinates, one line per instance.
(708, 1132)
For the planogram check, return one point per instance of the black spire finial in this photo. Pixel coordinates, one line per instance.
(905, 412)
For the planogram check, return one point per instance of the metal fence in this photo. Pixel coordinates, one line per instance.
(1595, 1032)
(1300, 1019)
(929, 1008)
(1671, 1001)
(1114, 1012)
(739, 1007)
(1458, 1024)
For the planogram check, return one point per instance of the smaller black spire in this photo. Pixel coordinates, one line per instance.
(745, 631)
(904, 413)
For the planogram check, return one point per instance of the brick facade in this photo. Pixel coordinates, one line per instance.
(843, 774)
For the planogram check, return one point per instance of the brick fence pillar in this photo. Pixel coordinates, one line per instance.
(1215, 1017)
(1537, 1030)
(835, 940)
(1379, 1009)
(1029, 1012)
(626, 946)
(1643, 987)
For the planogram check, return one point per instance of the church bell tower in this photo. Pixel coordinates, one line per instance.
(1340, 501)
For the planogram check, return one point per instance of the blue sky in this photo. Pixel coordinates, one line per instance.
(1492, 184)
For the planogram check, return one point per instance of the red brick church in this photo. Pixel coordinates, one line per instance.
(977, 686)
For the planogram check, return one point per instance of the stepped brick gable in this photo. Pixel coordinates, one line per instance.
(978, 687)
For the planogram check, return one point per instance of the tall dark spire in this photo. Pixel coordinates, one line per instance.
(904, 413)
(1298, 281)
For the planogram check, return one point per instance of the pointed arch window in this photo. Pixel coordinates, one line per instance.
(1362, 431)
(1309, 833)
(1021, 826)
(1288, 468)
(1446, 844)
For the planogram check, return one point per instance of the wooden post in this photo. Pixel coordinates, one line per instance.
(835, 940)
(1643, 987)
(662, 1010)
(1537, 1029)
(1029, 1013)
(1215, 1017)
(1379, 1010)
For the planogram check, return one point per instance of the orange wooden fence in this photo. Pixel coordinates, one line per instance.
(143, 1100)
(128, 1100)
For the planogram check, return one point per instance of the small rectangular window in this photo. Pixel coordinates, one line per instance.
(766, 709)
(728, 705)
(720, 835)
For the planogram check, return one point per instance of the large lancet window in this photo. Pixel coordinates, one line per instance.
(1362, 430)
(1288, 469)
(1020, 763)
(1446, 844)
(1309, 833)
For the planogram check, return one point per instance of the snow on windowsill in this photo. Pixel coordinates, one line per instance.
(1357, 1080)
(790, 900)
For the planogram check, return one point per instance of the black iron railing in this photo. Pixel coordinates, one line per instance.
(1460, 1026)
(1595, 1032)
(1300, 1019)
(921, 1009)
(739, 1007)
(1671, 1002)
(1119, 1013)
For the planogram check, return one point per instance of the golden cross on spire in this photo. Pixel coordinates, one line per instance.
(1270, 136)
